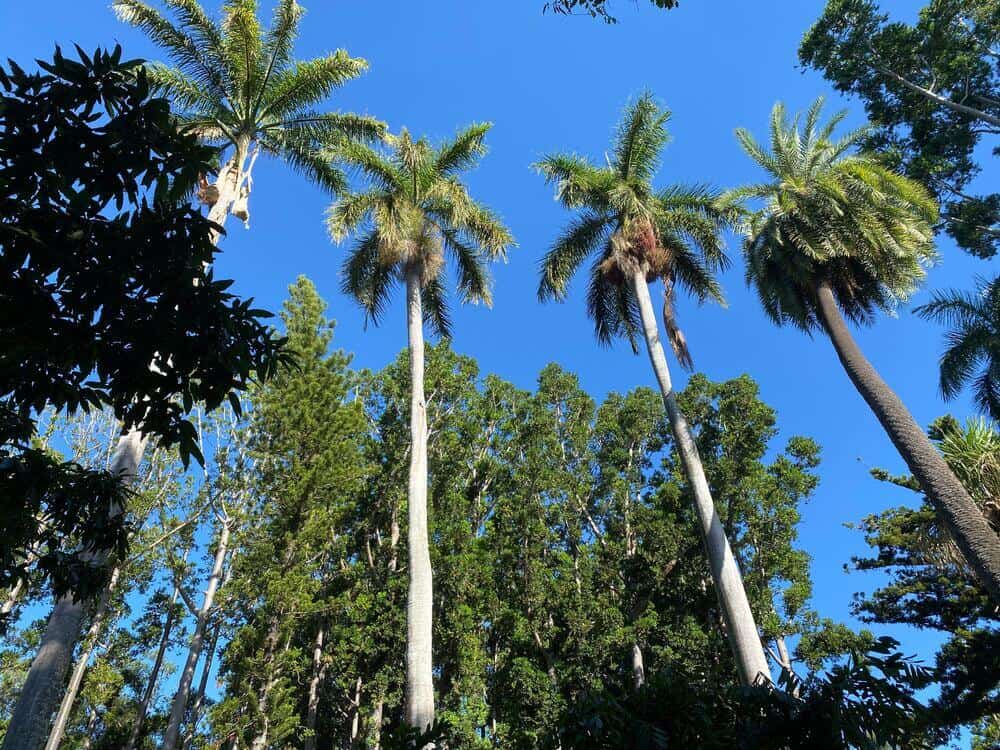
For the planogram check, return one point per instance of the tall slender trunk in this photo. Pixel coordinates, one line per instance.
(377, 722)
(76, 678)
(88, 737)
(199, 696)
(965, 521)
(638, 667)
(41, 694)
(356, 713)
(172, 733)
(419, 710)
(270, 680)
(147, 695)
(741, 629)
(317, 677)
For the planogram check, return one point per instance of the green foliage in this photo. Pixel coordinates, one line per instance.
(930, 585)
(416, 211)
(973, 353)
(625, 224)
(108, 298)
(236, 84)
(596, 8)
(897, 70)
(831, 216)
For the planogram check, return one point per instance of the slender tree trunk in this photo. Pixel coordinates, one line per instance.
(317, 676)
(965, 521)
(975, 114)
(199, 696)
(638, 667)
(419, 710)
(356, 713)
(172, 733)
(741, 629)
(377, 722)
(43, 687)
(88, 737)
(76, 678)
(147, 695)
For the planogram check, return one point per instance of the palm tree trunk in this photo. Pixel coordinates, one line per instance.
(172, 733)
(968, 526)
(76, 679)
(419, 711)
(317, 676)
(741, 629)
(40, 696)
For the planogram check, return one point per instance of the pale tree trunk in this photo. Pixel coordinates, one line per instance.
(172, 732)
(377, 722)
(318, 668)
(967, 525)
(43, 687)
(638, 667)
(76, 678)
(356, 711)
(150, 690)
(741, 629)
(199, 696)
(91, 726)
(419, 711)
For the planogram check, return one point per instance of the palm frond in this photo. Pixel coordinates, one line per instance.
(366, 279)
(303, 84)
(641, 135)
(473, 277)
(463, 151)
(580, 239)
(434, 302)
(194, 61)
(301, 154)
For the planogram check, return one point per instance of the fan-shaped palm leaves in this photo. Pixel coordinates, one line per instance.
(634, 235)
(416, 215)
(973, 352)
(840, 235)
(238, 86)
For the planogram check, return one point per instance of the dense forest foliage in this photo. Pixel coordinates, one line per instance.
(220, 533)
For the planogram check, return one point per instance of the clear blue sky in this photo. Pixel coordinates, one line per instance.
(551, 82)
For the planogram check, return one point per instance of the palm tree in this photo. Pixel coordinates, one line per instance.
(638, 235)
(237, 86)
(840, 236)
(416, 212)
(973, 351)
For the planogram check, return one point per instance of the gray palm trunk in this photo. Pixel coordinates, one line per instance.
(741, 629)
(979, 544)
(172, 733)
(419, 605)
(147, 695)
(29, 723)
(83, 660)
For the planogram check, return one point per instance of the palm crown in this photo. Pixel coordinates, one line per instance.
(414, 214)
(625, 224)
(831, 216)
(237, 85)
(973, 351)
